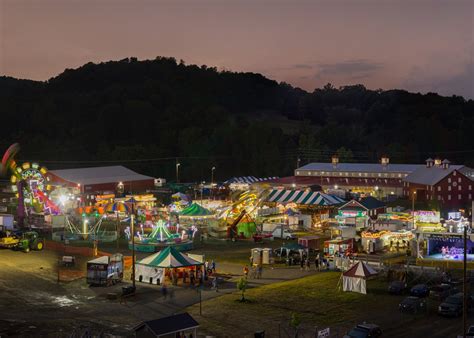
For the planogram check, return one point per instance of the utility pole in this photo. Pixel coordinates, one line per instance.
(133, 248)
(177, 170)
(464, 286)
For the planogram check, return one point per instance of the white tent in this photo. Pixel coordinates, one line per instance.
(355, 278)
(151, 269)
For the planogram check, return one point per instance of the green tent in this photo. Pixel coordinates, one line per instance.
(195, 210)
(169, 257)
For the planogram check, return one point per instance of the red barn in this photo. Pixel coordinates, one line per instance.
(450, 185)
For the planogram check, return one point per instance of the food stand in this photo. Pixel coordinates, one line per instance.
(339, 246)
(105, 270)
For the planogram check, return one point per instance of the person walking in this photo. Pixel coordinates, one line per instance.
(214, 284)
(316, 262)
(199, 277)
(307, 264)
(164, 291)
(185, 275)
(192, 279)
(260, 271)
(246, 271)
(213, 266)
(301, 263)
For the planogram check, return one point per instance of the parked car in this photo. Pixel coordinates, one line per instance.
(470, 332)
(453, 305)
(364, 331)
(397, 287)
(420, 290)
(412, 304)
(442, 291)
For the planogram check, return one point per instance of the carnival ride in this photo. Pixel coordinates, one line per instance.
(242, 213)
(163, 235)
(30, 183)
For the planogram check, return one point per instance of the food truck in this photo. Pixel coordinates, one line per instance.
(105, 270)
(339, 246)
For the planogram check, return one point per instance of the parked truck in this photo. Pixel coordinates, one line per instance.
(278, 230)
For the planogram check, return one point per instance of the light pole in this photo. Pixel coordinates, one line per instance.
(132, 226)
(202, 189)
(298, 163)
(212, 175)
(464, 283)
(177, 172)
(413, 206)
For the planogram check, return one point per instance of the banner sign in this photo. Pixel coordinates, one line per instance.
(427, 216)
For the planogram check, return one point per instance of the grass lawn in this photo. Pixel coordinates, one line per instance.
(232, 252)
(316, 299)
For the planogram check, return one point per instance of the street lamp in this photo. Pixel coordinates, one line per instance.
(212, 175)
(413, 206)
(177, 172)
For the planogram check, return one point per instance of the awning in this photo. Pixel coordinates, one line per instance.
(248, 179)
(169, 257)
(303, 197)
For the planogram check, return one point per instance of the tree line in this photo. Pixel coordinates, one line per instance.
(162, 111)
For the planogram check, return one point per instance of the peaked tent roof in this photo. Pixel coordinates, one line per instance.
(195, 210)
(303, 197)
(248, 179)
(169, 257)
(361, 270)
(371, 203)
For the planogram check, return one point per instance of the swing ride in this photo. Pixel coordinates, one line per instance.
(162, 235)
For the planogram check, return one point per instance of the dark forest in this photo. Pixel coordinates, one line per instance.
(149, 114)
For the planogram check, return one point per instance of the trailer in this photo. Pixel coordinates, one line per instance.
(339, 247)
(310, 242)
(105, 270)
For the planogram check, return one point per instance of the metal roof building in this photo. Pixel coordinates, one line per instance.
(102, 179)
(315, 169)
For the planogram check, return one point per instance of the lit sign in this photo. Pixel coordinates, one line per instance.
(351, 213)
(454, 215)
(427, 216)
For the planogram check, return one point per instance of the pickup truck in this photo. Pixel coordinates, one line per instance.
(287, 234)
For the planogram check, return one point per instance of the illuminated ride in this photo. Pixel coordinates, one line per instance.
(30, 184)
(239, 217)
(163, 234)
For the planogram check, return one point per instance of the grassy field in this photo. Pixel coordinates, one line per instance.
(317, 299)
(232, 252)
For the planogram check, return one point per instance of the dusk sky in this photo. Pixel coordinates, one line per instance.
(410, 44)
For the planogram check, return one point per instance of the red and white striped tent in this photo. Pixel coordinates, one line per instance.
(354, 279)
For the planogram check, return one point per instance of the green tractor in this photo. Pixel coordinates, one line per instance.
(30, 240)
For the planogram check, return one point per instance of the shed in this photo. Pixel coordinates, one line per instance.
(182, 325)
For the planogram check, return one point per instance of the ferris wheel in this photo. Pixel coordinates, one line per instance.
(29, 182)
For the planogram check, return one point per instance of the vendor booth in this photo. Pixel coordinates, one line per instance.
(355, 279)
(339, 246)
(152, 268)
(105, 270)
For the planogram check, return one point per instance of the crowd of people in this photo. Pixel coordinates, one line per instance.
(192, 277)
